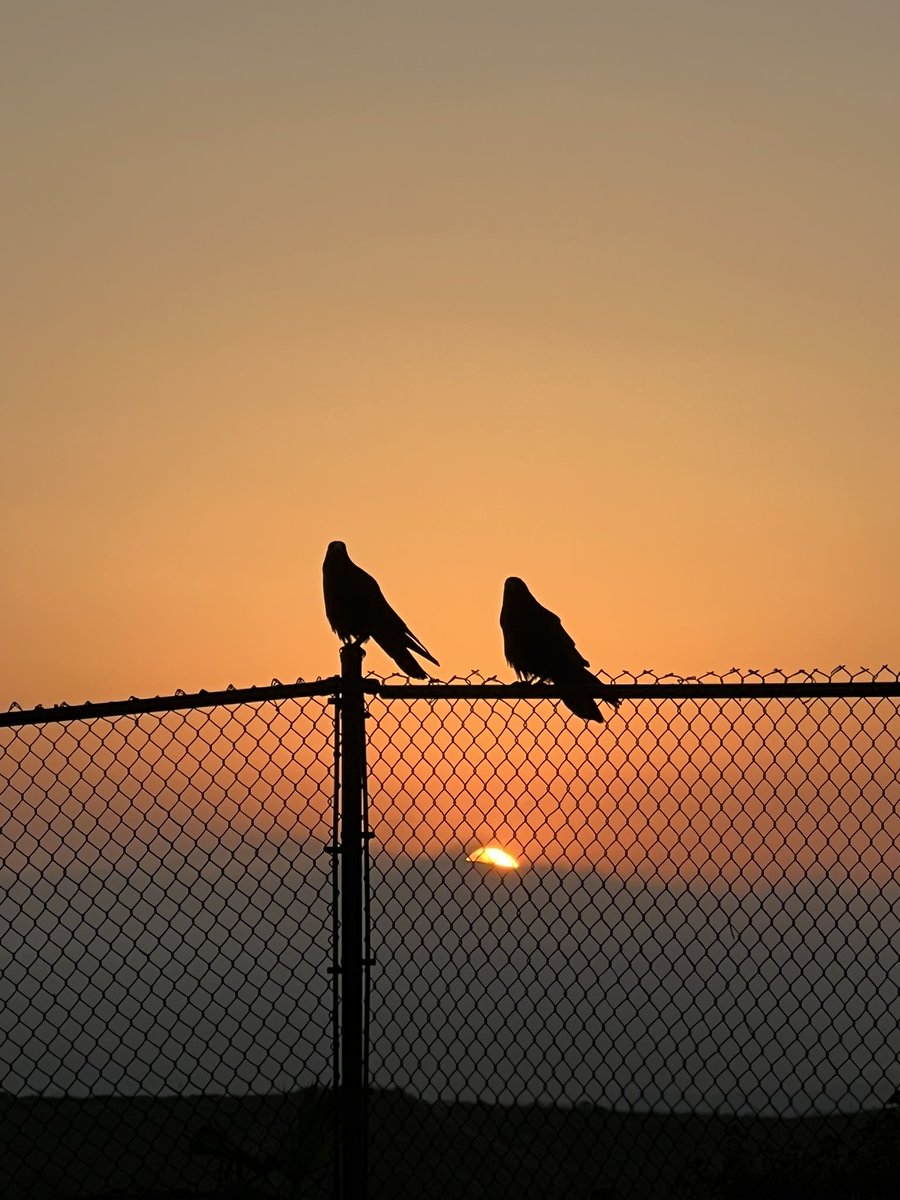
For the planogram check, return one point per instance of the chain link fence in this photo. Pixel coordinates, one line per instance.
(687, 988)
(166, 923)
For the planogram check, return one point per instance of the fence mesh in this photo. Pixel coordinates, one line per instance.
(702, 933)
(687, 988)
(166, 932)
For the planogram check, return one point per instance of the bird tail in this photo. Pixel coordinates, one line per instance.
(581, 704)
(404, 660)
(418, 648)
(580, 695)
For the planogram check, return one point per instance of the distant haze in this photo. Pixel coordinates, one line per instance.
(549, 987)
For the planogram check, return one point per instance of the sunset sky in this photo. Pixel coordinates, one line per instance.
(604, 295)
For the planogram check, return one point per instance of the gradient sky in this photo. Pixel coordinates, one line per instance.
(604, 295)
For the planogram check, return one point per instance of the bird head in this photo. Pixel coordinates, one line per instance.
(336, 550)
(515, 588)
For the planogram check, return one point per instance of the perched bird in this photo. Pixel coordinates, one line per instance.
(357, 610)
(538, 648)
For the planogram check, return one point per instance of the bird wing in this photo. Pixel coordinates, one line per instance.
(562, 664)
(559, 646)
(395, 638)
(535, 642)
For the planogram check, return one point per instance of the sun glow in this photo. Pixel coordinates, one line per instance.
(494, 857)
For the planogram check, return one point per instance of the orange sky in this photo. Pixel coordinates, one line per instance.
(604, 296)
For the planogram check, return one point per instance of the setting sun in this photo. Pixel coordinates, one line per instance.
(494, 857)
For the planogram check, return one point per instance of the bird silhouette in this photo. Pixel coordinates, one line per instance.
(538, 648)
(357, 610)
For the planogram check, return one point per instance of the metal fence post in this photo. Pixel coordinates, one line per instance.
(352, 1096)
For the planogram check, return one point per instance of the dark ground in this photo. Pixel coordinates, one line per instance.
(280, 1146)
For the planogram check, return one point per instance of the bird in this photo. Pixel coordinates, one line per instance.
(537, 647)
(357, 610)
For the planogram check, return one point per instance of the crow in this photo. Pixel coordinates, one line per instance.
(538, 648)
(357, 610)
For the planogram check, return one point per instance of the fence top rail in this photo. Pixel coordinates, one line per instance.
(135, 705)
(682, 690)
(667, 689)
